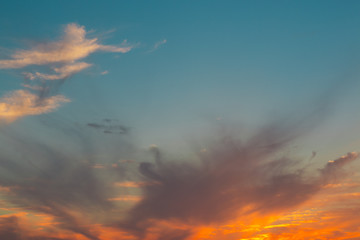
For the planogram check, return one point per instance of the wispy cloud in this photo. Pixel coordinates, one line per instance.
(61, 56)
(59, 60)
(110, 126)
(130, 184)
(73, 46)
(61, 72)
(130, 198)
(54, 184)
(157, 45)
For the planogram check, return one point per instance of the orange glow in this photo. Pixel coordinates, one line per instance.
(331, 214)
(130, 184)
(130, 198)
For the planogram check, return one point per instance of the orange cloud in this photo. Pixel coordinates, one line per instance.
(22, 103)
(130, 198)
(25, 225)
(332, 214)
(131, 184)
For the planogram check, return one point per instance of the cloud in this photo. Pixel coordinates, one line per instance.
(351, 156)
(157, 45)
(73, 46)
(126, 198)
(22, 103)
(109, 126)
(161, 199)
(129, 184)
(232, 180)
(53, 180)
(229, 180)
(48, 181)
(9, 228)
(338, 220)
(62, 72)
(20, 227)
(59, 60)
(331, 168)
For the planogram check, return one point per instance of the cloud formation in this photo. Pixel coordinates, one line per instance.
(13, 227)
(166, 198)
(59, 60)
(232, 180)
(46, 180)
(22, 103)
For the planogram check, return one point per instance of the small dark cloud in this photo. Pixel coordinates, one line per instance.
(94, 125)
(110, 126)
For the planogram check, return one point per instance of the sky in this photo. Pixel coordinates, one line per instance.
(142, 120)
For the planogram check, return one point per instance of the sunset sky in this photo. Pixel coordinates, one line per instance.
(179, 120)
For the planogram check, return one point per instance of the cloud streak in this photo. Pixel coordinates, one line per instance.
(61, 72)
(157, 45)
(73, 46)
(109, 126)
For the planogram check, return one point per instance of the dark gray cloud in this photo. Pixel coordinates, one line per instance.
(110, 126)
(46, 179)
(9, 228)
(231, 180)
